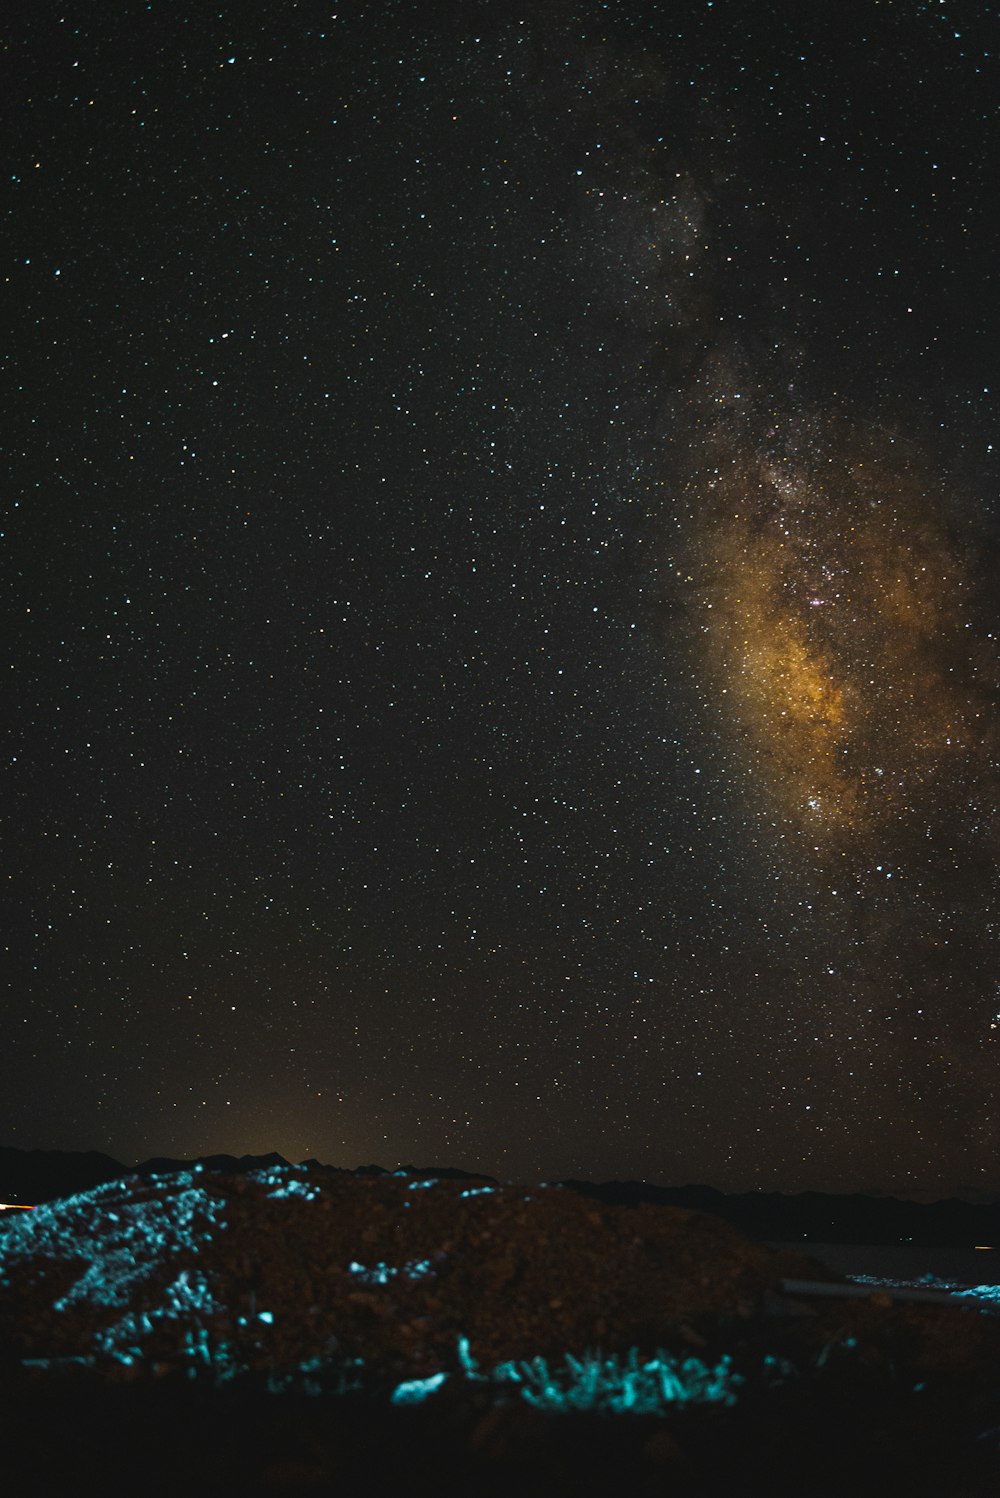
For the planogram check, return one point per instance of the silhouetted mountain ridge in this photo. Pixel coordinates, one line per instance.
(818, 1216)
(32, 1176)
(29, 1177)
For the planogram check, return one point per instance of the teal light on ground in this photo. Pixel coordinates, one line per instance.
(621, 1385)
(292, 1189)
(616, 1385)
(382, 1274)
(988, 1294)
(418, 1389)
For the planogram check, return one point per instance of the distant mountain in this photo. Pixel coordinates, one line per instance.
(818, 1216)
(224, 1164)
(29, 1177)
(443, 1173)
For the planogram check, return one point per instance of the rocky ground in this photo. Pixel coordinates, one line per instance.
(307, 1331)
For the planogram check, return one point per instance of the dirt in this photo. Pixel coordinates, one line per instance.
(250, 1333)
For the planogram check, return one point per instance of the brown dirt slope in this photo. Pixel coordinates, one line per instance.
(287, 1265)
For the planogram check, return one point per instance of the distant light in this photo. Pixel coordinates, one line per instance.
(983, 1247)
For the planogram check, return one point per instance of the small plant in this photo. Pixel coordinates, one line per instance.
(615, 1384)
(621, 1385)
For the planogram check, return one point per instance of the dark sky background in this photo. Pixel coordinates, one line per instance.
(501, 542)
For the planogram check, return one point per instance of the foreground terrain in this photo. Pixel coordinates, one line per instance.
(302, 1330)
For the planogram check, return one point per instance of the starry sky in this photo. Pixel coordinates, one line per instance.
(500, 556)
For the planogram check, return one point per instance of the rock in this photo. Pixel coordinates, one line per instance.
(269, 1270)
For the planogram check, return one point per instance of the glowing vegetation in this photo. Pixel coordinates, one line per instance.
(615, 1384)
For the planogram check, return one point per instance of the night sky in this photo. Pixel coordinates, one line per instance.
(501, 543)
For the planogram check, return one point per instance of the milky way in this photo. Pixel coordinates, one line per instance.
(830, 604)
(844, 633)
(852, 678)
(850, 629)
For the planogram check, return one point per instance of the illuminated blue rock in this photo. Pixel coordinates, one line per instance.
(418, 1389)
